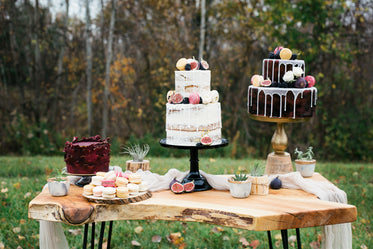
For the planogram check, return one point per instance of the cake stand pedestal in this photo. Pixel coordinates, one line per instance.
(279, 161)
(200, 182)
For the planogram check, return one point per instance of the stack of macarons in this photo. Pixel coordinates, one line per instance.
(113, 184)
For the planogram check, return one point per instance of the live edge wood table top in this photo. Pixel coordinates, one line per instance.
(281, 209)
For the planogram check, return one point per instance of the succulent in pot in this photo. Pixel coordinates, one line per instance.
(138, 154)
(239, 185)
(260, 181)
(59, 185)
(305, 162)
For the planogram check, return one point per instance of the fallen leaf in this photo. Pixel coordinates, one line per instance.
(363, 246)
(2, 183)
(225, 237)
(156, 239)
(319, 237)
(315, 245)
(244, 242)
(16, 229)
(2, 246)
(75, 232)
(27, 195)
(4, 190)
(182, 246)
(19, 247)
(217, 229)
(254, 244)
(175, 238)
(135, 243)
(292, 238)
(278, 236)
(20, 237)
(17, 185)
(139, 229)
(212, 160)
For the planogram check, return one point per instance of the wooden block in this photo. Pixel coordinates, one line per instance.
(278, 164)
(134, 166)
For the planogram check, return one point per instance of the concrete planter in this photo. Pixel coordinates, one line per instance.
(239, 189)
(305, 167)
(57, 187)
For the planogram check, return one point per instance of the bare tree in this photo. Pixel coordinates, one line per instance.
(203, 28)
(109, 53)
(60, 62)
(89, 67)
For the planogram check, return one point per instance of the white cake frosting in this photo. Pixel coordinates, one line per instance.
(198, 81)
(187, 123)
(282, 92)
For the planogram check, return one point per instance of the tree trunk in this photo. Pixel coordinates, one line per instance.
(38, 73)
(60, 65)
(105, 115)
(203, 28)
(89, 67)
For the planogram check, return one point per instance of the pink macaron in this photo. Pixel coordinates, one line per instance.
(108, 183)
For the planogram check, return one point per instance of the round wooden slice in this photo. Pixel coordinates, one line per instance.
(119, 201)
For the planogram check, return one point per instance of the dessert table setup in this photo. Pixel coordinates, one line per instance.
(283, 199)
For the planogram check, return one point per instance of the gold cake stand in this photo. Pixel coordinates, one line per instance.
(279, 161)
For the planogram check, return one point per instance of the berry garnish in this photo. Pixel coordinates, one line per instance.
(188, 67)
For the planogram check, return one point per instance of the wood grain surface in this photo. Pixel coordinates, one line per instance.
(281, 209)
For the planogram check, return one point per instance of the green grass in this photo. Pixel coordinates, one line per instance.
(22, 178)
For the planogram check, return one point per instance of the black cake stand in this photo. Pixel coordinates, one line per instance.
(200, 182)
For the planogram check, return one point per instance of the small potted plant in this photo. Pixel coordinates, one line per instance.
(305, 162)
(138, 154)
(59, 185)
(260, 182)
(239, 185)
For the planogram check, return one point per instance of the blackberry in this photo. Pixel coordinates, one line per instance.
(274, 84)
(293, 57)
(185, 101)
(188, 67)
(271, 55)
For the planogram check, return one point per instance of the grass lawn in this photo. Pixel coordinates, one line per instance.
(22, 178)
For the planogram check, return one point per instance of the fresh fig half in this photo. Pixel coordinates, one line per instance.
(177, 188)
(177, 98)
(189, 187)
(203, 65)
(194, 98)
(266, 82)
(206, 140)
(172, 182)
(194, 65)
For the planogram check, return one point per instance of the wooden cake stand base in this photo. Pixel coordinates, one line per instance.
(279, 161)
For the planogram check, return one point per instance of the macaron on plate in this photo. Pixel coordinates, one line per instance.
(141, 196)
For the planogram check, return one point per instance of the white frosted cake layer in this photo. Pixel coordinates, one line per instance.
(187, 123)
(192, 81)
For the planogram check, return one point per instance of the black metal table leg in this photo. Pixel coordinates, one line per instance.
(93, 235)
(269, 240)
(109, 235)
(86, 226)
(299, 243)
(102, 231)
(284, 235)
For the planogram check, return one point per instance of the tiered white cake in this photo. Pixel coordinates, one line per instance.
(193, 111)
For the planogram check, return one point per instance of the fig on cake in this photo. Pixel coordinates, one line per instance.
(203, 65)
(177, 98)
(266, 82)
(170, 94)
(194, 65)
(300, 83)
(206, 140)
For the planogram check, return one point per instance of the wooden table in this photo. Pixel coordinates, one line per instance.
(280, 210)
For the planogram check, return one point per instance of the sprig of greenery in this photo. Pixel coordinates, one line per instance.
(257, 170)
(240, 177)
(137, 152)
(308, 155)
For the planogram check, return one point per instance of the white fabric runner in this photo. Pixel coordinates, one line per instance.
(335, 236)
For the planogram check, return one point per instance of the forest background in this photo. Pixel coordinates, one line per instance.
(80, 76)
